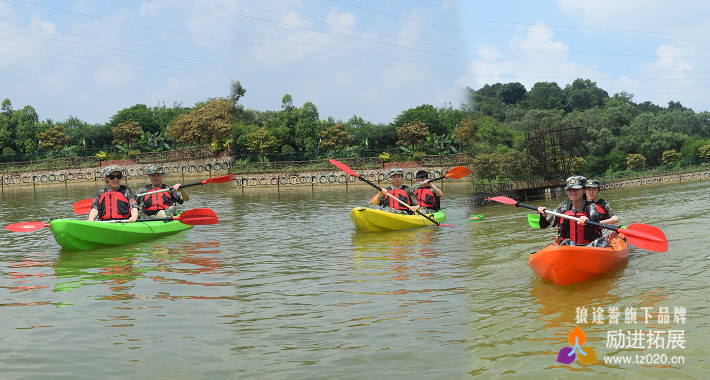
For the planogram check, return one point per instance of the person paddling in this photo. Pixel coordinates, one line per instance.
(607, 215)
(115, 201)
(399, 190)
(428, 196)
(570, 232)
(159, 204)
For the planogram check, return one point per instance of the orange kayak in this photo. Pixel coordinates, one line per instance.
(567, 264)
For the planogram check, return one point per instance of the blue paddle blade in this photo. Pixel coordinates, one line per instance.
(534, 220)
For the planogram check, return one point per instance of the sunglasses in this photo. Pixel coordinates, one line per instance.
(117, 176)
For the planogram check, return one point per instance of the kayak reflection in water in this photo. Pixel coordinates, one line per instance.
(399, 190)
(607, 215)
(571, 232)
(115, 201)
(159, 204)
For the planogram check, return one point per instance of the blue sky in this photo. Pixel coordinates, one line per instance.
(373, 59)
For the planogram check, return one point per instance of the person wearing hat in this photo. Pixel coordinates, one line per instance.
(115, 201)
(571, 232)
(607, 215)
(159, 204)
(399, 190)
(428, 196)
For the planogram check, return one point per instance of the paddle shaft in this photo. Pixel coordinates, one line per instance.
(613, 228)
(168, 189)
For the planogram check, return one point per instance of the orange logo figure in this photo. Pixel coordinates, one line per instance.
(577, 338)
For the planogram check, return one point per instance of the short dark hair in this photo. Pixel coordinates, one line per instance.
(422, 174)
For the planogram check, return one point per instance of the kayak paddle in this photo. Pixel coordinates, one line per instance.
(346, 169)
(641, 235)
(222, 179)
(83, 206)
(455, 173)
(194, 217)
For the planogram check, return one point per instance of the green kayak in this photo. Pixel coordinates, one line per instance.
(79, 235)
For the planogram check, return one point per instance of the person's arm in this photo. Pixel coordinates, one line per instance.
(134, 215)
(93, 214)
(381, 198)
(185, 196)
(436, 190)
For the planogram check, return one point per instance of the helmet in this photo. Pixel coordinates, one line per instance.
(422, 174)
(112, 168)
(593, 183)
(154, 169)
(394, 171)
(576, 182)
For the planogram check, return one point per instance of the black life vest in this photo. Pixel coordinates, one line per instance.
(402, 195)
(114, 205)
(427, 198)
(154, 202)
(569, 229)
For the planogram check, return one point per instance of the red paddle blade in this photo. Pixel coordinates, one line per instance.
(645, 237)
(222, 179)
(458, 172)
(343, 167)
(26, 227)
(83, 206)
(198, 216)
(506, 200)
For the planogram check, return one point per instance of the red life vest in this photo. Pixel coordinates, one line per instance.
(114, 205)
(155, 202)
(402, 195)
(569, 229)
(427, 198)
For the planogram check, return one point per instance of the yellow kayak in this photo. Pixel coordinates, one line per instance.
(371, 219)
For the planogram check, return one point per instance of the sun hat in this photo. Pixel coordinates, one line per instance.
(112, 168)
(593, 183)
(394, 171)
(576, 182)
(154, 169)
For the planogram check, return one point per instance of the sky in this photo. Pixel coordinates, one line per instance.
(372, 59)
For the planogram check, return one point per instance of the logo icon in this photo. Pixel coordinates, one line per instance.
(577, 338)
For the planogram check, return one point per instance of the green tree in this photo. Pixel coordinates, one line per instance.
(127, 133)
(206, 123)
(53, 138)
(485, 166)
(704, 152)
(26, 122)
(670, 157)
(139, 113)
(511, 93)
(335, 137)
(425, 114)
(412, 134)
(635, 161)
(306, 128)
(237, 91)
(583, 94)
(261, 141)
(546, 96)
(513, 165)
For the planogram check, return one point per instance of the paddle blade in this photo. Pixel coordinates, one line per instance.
(373, 199)
(83, 206)
(645, 237)
(26, 227)
(476, 218)
(458, 172)
(506, 200)
(198, 216)
(222, 179)
(343, 167)
(534, 220)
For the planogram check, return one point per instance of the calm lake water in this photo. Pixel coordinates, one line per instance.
(284, 288)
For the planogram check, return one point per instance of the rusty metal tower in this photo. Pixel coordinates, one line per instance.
(550, 152)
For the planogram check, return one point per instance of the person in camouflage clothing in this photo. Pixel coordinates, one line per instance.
(607, 213)
(159, 204)
(115, 201)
